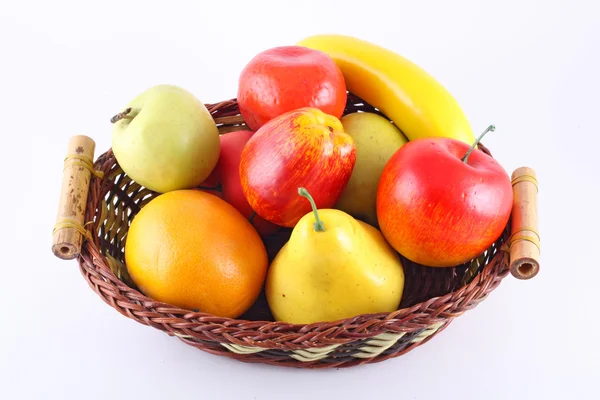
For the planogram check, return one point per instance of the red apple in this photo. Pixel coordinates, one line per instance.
(286, 78)
(304, 147)
(437, 210)
(212, 184)
(213, 179)
(228, 168)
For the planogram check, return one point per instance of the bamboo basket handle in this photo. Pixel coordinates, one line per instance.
(69, 231)
(524, 242)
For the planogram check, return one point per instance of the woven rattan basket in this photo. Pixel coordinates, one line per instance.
(433, 296)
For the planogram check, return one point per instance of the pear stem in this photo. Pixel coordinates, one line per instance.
(125, 114)
(489, 128)
(318, 225)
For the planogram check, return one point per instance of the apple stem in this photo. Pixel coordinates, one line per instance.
(489, 128)
(128, 113)
(318, 225)
(216, 188)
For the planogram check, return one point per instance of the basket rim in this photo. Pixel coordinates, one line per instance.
(270, 334)
(302, 335)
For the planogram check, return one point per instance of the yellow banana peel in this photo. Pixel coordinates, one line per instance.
(417, 103)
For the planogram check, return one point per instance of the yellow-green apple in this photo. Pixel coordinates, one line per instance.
(165, 139)
(440, 205)
(301, 148)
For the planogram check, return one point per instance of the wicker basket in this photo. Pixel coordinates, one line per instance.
(433, 296)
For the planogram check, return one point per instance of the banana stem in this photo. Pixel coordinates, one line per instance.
(318, 225)
(489, 128)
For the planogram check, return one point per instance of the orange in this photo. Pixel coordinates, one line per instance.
(193, 250)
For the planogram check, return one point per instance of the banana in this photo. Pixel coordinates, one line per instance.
(417, 103)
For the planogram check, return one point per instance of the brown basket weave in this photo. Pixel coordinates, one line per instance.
(433, 296)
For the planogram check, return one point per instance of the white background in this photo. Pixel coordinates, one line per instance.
(532, 70)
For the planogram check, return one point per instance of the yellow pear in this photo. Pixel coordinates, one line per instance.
(333, 267)
(376, 140)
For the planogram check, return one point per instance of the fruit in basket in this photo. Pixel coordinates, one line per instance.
(286, 78)
(304, 147)
(403, 91)
(165, 139)
(438, 209)
(376, 141)
(333, 267)
(193, 250)
(212, 184)
(228, 168)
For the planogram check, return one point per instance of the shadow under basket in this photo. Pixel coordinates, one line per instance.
(432, 298)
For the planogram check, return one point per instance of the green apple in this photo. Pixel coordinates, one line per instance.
(376, 139)
(165, 139)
